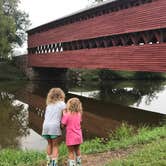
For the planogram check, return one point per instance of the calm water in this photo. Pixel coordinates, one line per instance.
(106, 106)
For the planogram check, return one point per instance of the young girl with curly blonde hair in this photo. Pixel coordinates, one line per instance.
(51, 125)
(72, 119)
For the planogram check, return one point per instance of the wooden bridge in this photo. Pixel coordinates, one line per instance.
(118, 35)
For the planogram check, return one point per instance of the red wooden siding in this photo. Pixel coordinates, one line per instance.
(144, 17)
(134, 58)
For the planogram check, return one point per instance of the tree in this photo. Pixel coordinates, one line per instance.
(13, 24)
(96, 1)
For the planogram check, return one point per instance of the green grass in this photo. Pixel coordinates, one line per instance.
(124, 137)
(117, 141)
(11, 157)
(10, 72)
(152, 154)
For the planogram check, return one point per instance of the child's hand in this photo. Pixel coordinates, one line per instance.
(64, 111)
(62, 126)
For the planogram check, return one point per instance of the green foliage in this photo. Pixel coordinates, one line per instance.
(93, 146)
(149, 75)
(129, 75)
(13, 24)
(144, 135)
(115, 75)
(83, 75)
(10, 72)
(10, 157)
(124, 131)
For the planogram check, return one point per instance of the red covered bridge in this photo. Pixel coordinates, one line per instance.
(117, 35)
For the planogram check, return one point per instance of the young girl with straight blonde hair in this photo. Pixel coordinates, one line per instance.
(72, 119)
(51, 125)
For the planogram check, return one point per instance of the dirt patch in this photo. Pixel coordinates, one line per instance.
(100, 159)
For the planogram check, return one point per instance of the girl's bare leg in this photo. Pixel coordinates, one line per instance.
(78, 155)
(71, 156)
(49, 151)
(71, 152)
(55, 145)
(49, 147)
(77, 150)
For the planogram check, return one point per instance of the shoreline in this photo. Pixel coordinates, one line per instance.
(124, 139)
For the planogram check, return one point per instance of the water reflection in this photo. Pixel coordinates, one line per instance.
(105, 107)
(13, 121)
(137, 94)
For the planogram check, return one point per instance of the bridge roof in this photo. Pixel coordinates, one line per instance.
(92, 8)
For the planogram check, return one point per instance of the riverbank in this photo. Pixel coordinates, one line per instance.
(125, 141)
(107, 75)
(8, 72)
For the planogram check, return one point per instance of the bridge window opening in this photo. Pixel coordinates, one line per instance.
(61, 49)
(51, 48)
(110, 44)
(92, 43)
(70, 45)
(58, 47)
(45, 49)
(153, 39)
(141, 44)
(130, 39)
(75, 46)
(141, 41)
(80, 44)
(57, 50)
(42, 49)
(39, 49)
(164, 35)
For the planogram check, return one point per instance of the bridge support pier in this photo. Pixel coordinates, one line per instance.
(47, 74)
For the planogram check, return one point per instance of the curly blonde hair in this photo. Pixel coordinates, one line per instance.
(74, 105)
(54, 95)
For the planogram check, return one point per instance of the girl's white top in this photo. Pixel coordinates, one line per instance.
(52, 119)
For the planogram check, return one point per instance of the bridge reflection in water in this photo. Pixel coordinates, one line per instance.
(99, 117)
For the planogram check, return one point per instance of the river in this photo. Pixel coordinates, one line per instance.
(106, 105)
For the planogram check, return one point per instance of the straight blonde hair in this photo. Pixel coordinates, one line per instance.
(74, 105)
(54, 95)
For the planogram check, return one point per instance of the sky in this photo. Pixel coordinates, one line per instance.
(43, 11)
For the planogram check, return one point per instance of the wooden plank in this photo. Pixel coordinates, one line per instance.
(145, 17)
(150, 57)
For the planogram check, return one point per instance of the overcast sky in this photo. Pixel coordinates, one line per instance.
(43, 11)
